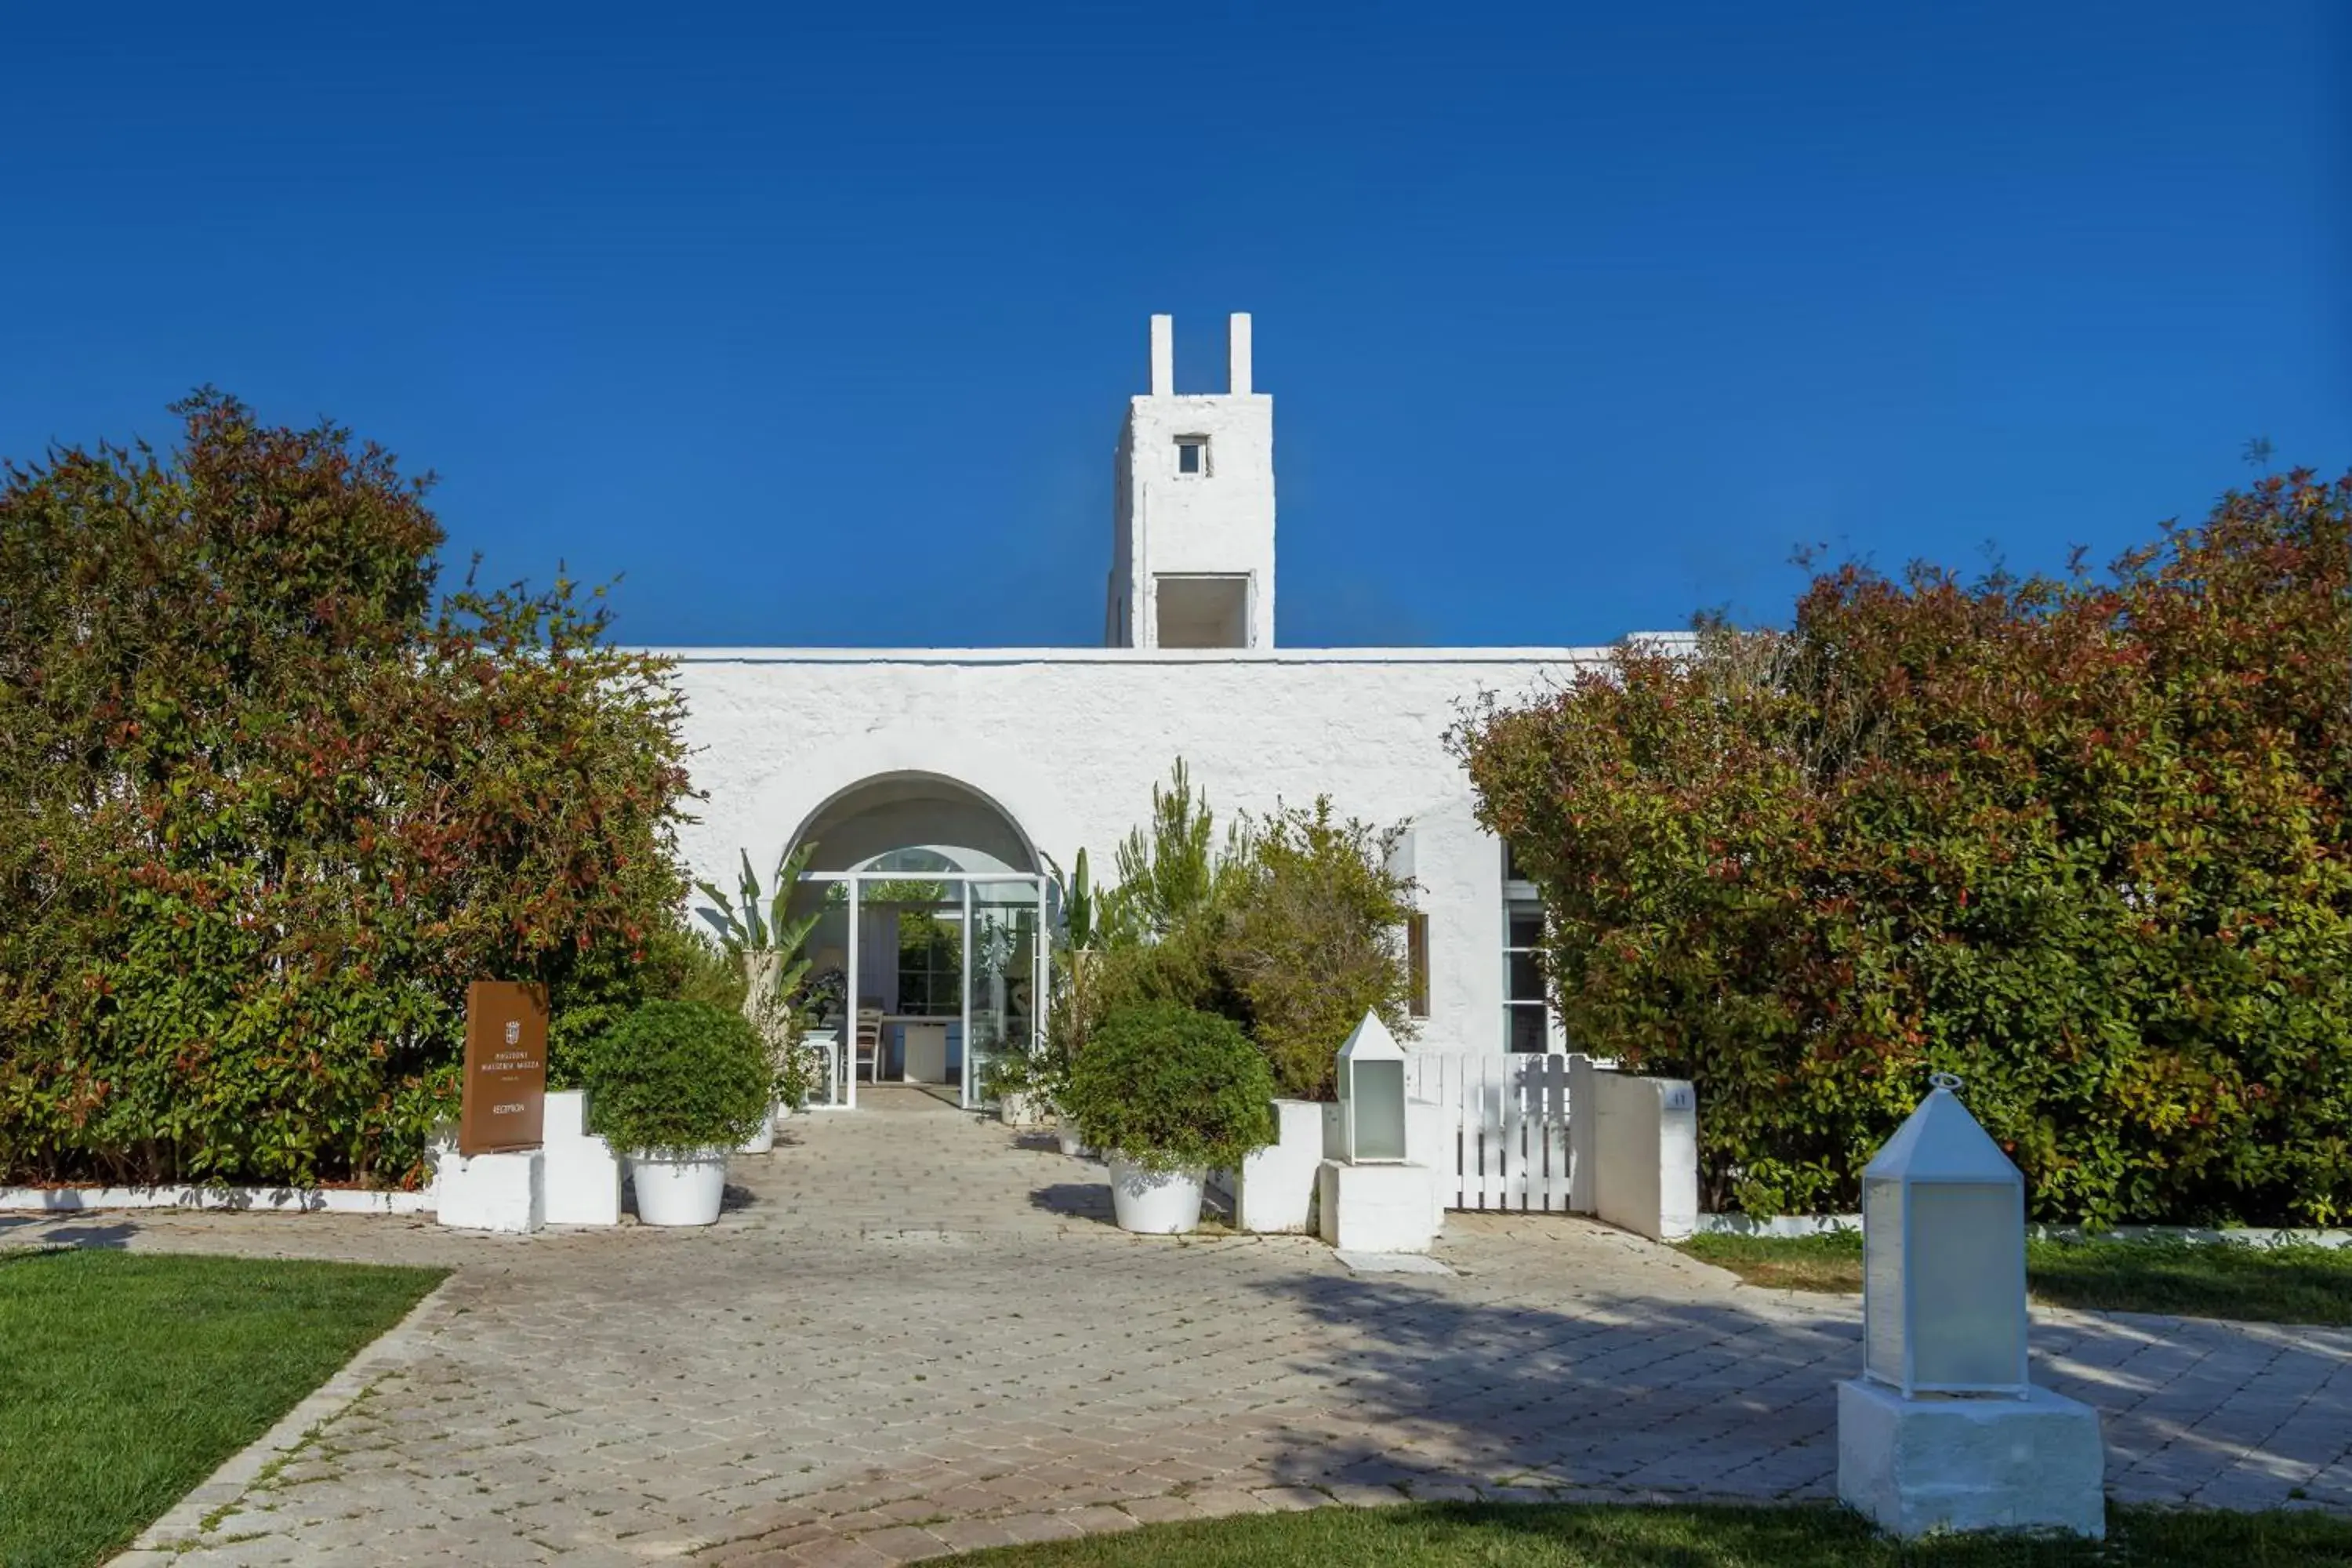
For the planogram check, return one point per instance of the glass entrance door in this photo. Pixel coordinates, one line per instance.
(1003, 978)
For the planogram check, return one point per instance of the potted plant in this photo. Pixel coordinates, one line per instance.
(1166, 1092)
(675, 1086)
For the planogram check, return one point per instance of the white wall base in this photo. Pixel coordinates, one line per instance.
(583, 1176)
(1916, 1466)
(1274, 1191)
(492, 1191)
(1375, 1208)
(328, 1200)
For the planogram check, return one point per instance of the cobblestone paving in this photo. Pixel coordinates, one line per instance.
(915, 1332)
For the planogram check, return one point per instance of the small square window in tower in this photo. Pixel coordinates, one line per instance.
(1192, 456)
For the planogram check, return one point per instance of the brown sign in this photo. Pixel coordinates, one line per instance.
(505, 1099)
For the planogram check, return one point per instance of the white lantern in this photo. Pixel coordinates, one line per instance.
(1372, 1096)
(1942, 1246)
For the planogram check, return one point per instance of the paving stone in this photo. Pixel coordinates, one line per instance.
(908, 1326)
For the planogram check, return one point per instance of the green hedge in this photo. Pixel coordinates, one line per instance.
(270, 800)
(1170, 1087)
(675, 1077)
(2084, 842)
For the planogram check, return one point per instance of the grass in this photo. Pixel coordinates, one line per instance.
(1588, 1536)
(2288, 1284)
(126, 1379)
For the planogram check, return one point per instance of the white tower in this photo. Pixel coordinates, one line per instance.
(1193, 550)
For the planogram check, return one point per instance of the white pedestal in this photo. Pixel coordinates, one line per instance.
(1274, 1190)
(1375, 1208)
(492, 1191)
(583, 1177)
(1919, 1464)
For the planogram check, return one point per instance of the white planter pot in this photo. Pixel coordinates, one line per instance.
(679, 1191)
(762, 1141)
(1065, 1133)
(1155, 1203)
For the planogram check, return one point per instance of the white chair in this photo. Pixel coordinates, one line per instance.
(868, 1059)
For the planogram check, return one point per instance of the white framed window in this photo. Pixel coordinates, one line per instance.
(1527, 1013)
(1192, 457)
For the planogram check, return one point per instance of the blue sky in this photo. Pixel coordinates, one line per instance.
(816, 324)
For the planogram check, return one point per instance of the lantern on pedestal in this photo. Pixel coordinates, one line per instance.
(1943, 1242)
(1372, 1096)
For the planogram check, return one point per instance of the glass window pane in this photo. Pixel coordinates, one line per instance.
(1526, 978)
(1526, 930)
(1527, 1029)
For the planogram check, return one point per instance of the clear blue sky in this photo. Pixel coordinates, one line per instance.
(817, 324)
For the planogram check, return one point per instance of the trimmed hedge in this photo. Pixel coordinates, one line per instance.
(2084, 842)
(677, 1076)
(1168, 1088)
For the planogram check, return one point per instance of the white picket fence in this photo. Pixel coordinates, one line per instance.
(1507, 1117)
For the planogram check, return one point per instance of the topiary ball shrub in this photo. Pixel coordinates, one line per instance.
(1168, 1088)
(674, 1078)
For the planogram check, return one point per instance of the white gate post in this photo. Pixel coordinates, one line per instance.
(1584, 1134)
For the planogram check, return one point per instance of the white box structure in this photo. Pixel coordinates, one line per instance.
(1920, 1466)
(1375, 1208)
(584, 1174)
(504, 1191)
(1274, 1189)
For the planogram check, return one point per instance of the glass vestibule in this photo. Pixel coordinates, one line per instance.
(925, 978)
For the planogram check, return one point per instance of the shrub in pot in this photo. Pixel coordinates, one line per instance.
(1166, 1092)
(674, 1085)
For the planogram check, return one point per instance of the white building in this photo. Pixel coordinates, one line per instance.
(980, 770)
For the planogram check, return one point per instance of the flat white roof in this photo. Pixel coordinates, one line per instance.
(1155, 655)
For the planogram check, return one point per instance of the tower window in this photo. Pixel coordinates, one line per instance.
(1193, 455)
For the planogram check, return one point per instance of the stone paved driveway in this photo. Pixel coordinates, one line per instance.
(914, 1332)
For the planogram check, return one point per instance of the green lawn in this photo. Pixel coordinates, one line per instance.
(2294, 1284)
(1580, 1536)
(126, 1379)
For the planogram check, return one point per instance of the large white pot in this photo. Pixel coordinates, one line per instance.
(679, 1191)
(760, 1142)
(1155, 1203)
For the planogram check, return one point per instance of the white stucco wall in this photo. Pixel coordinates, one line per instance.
(1068, 742)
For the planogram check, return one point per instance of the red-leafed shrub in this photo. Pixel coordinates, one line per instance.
(267, 803)
(2084, 842)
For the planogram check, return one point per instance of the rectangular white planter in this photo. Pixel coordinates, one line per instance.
(1274, 1191)
(1375, 1208)
(583, 1176)
(1918, 1466)
(491, 1192)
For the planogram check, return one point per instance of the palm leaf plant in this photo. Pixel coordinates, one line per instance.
(767, 942)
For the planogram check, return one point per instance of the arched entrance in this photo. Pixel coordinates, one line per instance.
(928, 960)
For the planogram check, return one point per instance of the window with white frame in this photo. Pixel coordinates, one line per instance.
(1526, 1012)
(1192, 456)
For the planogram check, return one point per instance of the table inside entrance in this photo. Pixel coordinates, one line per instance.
(923, 1046)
